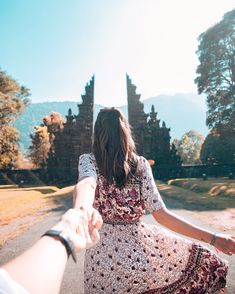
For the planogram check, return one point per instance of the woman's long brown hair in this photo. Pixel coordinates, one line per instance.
(114, 147)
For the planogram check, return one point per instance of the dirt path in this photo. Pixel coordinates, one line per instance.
(73, 278)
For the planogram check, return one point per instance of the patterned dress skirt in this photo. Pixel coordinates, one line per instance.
(133, 257)
(141, 258)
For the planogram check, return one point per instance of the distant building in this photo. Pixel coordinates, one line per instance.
(75, 138)
(152, 140)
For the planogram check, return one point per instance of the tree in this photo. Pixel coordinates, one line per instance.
(189, 146)
(8, 146)
(216, 78)
(218, 148)
(13, 100)
(40, 146)
(43, 137)
(216, 72)
(54, 123)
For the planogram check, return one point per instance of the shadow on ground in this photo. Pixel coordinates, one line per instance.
(41, 189)
(179, 198)
(62, 199)
(62, 205)
(174, 198)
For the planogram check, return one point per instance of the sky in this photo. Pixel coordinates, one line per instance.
(55, 46)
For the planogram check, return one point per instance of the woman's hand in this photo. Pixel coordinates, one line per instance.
(96, 219)
(225, 243)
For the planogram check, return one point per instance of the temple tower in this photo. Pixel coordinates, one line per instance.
(160, 139)
(137, 117)
(152, 139)
(74, 139)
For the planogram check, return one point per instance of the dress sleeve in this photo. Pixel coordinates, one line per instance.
(86, 166)
(152, 198)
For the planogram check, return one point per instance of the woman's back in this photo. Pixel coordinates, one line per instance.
(126, 203)
(134, 257)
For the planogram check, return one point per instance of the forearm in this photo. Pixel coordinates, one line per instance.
(40, 269)
(84, 193)
(181, 226)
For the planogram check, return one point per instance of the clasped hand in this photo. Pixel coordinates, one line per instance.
(225, 243)
(81, 226)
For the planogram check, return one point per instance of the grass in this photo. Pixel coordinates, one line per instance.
(22, 207)
(213, 187)
(199, 195)
(22, 202)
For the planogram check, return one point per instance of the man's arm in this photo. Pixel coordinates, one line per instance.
(40, 269)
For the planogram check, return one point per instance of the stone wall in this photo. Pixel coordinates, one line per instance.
(38, 177)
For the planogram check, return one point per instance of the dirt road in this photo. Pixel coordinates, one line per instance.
(73, 278)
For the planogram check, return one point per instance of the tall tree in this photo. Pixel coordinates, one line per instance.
(218, 148)
(40, 146)
(216, 78)
(13, 100)
(189, 146)
(43, 137)
(216, 71)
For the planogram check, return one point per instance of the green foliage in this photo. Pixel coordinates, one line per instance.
(189, 146)
(218, 148)
(216, 72)
(13, 100)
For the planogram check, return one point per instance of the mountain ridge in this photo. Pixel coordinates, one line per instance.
(181, 112)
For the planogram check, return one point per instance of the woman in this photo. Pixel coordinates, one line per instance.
(133, 257)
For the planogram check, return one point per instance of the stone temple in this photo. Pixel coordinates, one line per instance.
(152, 139)
(75, 138)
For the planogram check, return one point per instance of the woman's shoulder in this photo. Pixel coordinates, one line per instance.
(142, 163)
(141, 160)
(87, 156)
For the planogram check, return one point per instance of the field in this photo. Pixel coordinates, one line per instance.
(212, 201)
(22, 207)
(213, 187)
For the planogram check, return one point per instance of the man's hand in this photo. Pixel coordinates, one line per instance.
(225, 243)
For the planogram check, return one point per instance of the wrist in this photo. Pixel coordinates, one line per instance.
(64, 238)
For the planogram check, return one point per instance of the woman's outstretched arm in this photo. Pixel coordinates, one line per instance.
(170, 220)
(84, 193)
(84, 190)
(83, 198)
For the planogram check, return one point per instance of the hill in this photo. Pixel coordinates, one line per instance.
(181, 112)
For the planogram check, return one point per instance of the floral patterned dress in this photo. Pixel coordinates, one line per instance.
(134, 257)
